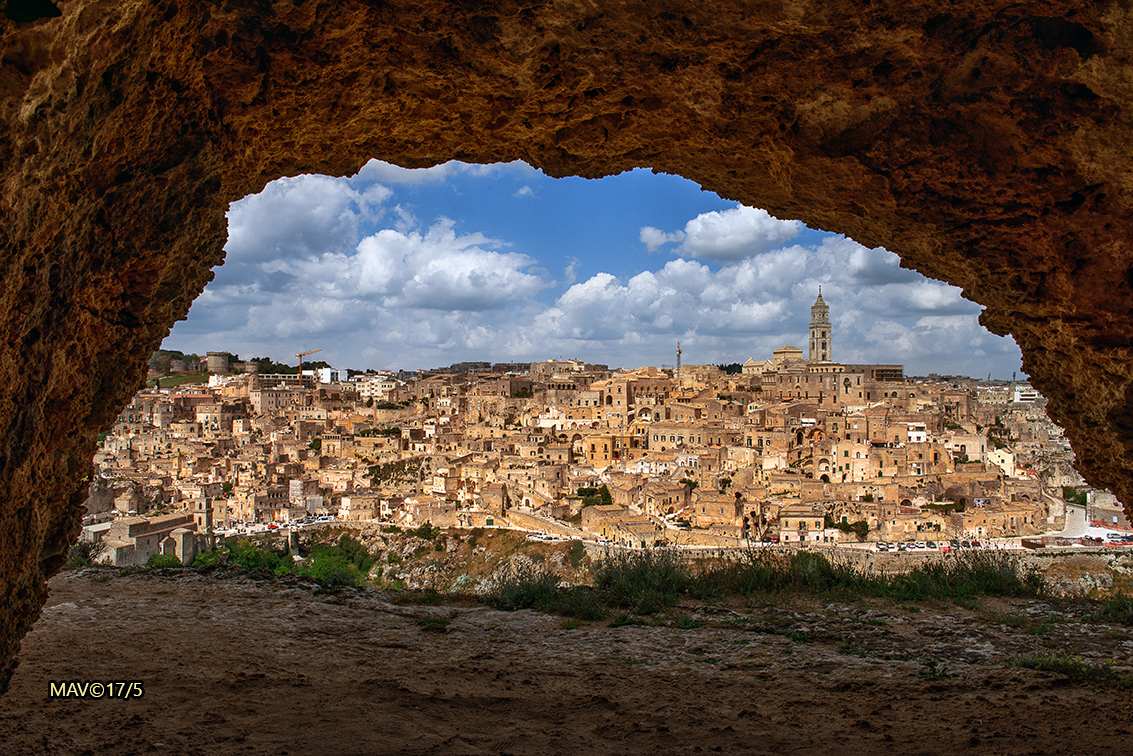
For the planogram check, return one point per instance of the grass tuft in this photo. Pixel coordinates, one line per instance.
(1119, 609)
(522, 586)
(1075, 668)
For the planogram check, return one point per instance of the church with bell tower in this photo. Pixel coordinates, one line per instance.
(820, 336)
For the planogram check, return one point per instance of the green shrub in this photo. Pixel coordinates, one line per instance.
(582, 602)
(812, 572)
(756, 571)
(1119, 609)
(522, 586)
(251, 557)
(425, 532)
(163, 561)
(577, 552)
(643, 582)
(82, 554)
(340, 579)
(1075, 668)
(205, 558)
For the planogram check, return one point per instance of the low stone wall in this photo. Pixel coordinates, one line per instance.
(534, 522)
(702, 538)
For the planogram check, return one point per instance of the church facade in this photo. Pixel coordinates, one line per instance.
(819, 380)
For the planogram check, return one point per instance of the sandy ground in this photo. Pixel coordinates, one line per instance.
(233, 665)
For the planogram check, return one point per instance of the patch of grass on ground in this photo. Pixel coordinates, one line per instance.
(933, 672)
(647, 582)
(1119, 609)
(684, 622)
(436, 624)
(169, 380)
(1075, 668)
(522, 586)
(1011, 619)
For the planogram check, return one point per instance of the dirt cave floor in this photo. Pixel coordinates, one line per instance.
(232, 664)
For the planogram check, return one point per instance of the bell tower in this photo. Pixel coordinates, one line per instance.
(820, 337)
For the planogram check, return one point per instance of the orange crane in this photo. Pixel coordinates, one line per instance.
(301, 355)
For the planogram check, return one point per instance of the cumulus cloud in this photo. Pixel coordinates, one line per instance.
(524, 191)
(434, 270)
(726, 236)
(390, 174)
(684, 296)
(299, 216)
(655, 238)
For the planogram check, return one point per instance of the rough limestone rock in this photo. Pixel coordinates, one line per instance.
(987, 143)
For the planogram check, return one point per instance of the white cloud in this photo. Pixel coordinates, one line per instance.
(300, 216)
(654, 238)
(570, 272)
(726, 236)
(388, 173)
(524, 191)
(437, 270)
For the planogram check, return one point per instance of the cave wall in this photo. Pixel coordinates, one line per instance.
(986, 143)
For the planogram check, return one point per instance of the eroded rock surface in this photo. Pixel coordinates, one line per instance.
(987, 144)
(260, 667)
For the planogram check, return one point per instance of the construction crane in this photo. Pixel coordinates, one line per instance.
(301, 355)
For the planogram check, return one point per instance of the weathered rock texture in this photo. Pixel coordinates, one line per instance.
(222, 657)
(984, 142)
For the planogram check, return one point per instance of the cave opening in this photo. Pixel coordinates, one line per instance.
(989, 150)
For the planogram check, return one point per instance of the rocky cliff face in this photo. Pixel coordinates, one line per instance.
(987, 145)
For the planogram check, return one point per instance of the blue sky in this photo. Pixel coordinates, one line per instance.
(394, 268)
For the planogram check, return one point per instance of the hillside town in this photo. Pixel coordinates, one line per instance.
(785, 449)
